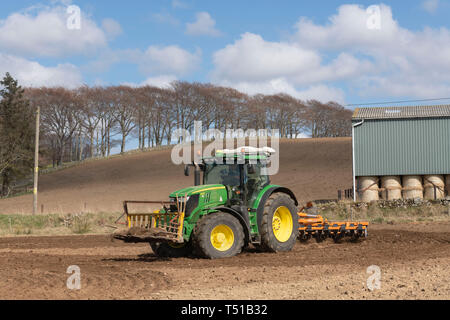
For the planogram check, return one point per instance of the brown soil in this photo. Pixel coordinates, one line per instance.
(312, 168)
(413, 258)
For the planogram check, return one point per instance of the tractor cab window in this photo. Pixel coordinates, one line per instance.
(226, 174)
(257, 179)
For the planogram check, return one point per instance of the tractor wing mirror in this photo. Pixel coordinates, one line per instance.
(186, 170)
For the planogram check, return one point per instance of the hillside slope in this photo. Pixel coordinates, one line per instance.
(312, 168)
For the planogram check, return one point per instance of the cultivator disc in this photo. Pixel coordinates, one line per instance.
(315, 226)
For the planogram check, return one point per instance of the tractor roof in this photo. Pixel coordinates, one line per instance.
(245, 156)
(243, 153)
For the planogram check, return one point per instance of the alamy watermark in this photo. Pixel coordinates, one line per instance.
(374, 280)
(73, 21)
(190, 146)
(374, 17)
(74, 280)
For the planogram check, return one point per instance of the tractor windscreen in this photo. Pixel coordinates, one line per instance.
(226, 174)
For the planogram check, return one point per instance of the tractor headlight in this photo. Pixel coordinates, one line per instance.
(191, 204)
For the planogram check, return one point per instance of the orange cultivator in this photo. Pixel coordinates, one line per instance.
(315, 226)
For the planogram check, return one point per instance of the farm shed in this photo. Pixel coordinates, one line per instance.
(400, 152)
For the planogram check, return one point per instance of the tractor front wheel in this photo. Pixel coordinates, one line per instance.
(218, 235)
(279, 224)
(171, 250)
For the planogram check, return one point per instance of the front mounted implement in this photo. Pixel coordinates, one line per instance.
(163, 225)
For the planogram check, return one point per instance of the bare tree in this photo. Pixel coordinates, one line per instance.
(124, 104)
(328, 120)
(60, 110)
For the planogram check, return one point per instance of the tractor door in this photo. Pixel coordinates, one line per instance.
(256, 180)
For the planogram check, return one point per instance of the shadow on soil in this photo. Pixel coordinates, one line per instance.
(146, 257)
(151, 257)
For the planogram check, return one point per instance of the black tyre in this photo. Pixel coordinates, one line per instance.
(218, 235)
(171, 250)
(279, 223)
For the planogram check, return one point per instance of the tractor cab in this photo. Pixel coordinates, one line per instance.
(244, 175)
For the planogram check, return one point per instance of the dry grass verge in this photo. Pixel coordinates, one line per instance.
(100, 223)
(57, 224)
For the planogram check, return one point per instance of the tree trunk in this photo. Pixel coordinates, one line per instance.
(91, 151)
(143, 136)
(149, 137)
(122, 146)
(109, 141)
(80, 157)
(5, 183)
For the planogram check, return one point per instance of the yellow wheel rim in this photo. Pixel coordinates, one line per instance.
(222, 237)
(282, 224)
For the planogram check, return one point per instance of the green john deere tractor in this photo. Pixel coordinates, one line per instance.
(234, 206)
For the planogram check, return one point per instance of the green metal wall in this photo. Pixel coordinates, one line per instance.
(402, 147)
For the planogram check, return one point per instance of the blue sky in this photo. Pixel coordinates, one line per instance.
(310, 49)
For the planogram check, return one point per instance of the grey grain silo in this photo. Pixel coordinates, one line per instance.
(402, 142)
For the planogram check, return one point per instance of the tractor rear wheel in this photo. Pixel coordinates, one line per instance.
(218, 235)
(279, 224)
(171, 250)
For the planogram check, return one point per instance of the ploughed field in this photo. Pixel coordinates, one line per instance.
(312, 168)
(413, 260)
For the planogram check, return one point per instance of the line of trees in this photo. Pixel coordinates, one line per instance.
(90, 121)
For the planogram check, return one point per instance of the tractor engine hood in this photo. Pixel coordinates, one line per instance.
(189, 191)
(201, 197)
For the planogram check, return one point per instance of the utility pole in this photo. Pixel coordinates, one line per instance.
(36, 162)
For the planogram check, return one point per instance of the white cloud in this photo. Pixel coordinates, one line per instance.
(157, 60)
(204, 25)
(164, 17)
(399, 62)
(177, 4)
(112, 27)
(42, 31)
(348, 29)
(345, 66)
(319, 92)
(430, 6)
(252, 58)
(33, 74)
(163, 81)
(317, 59)
(253, 65)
